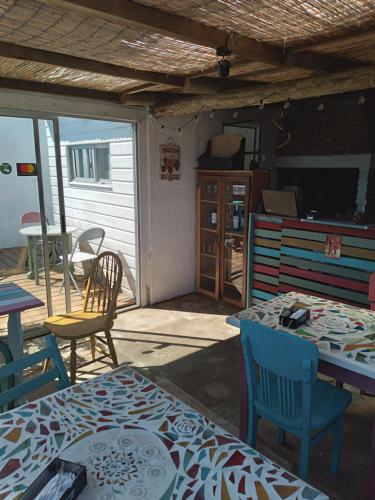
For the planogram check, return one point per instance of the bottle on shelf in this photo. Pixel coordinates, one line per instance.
(236, 218)
(213, 217)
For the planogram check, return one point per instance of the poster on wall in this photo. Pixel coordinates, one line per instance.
(170, 160)
(333, 246)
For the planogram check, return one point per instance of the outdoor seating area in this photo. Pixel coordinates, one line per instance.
(187, 250)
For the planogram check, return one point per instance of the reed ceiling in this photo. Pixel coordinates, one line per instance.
(126, 48)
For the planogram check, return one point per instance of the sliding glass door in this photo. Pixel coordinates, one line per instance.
(32, 240)
(67, 191)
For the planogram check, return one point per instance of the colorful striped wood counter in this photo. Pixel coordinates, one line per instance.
(289, 255)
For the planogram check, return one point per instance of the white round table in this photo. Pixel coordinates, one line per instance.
(33, 235)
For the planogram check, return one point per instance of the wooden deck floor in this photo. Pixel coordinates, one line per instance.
(13, 270)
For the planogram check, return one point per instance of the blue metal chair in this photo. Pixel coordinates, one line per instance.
(57, 371)
(8, 382)
(281, 373)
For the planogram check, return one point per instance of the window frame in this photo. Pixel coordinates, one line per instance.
(92, 149)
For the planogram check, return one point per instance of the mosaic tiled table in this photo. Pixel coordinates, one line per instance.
(344, 335)
(137, 442)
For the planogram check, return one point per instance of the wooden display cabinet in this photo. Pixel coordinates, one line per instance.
(224, 201)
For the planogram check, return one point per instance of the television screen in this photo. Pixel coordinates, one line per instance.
(330, 191)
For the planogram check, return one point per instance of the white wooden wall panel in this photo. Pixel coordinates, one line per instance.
(110, 207)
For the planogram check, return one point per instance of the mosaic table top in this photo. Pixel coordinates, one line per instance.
(14, 299)
(344, 335)
(137, 442)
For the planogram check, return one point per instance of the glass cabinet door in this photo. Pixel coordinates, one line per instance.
(235, 224)
(209, 201)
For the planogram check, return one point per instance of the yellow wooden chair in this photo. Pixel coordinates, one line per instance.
(97, 315)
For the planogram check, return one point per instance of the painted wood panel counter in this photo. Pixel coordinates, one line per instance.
(289, 255)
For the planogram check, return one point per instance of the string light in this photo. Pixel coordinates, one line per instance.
(361, 99)
(286, 104)
(235, 114)
(212, 113)
(179, 129)
(320, 107)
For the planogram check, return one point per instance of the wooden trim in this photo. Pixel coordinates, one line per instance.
(53, 88)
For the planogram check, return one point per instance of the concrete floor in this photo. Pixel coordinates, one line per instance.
(186, 347)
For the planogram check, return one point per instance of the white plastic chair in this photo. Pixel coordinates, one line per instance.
(78, 256)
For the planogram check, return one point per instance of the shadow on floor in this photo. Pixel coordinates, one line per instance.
(211, 376)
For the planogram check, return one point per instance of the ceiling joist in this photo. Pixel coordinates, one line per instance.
(198, 33)
(14, 51)
(335, 83)
(55, 89)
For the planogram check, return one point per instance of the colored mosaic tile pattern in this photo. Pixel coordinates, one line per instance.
(136, 441)
(344, 335)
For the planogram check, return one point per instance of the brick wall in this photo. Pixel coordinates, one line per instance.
(343, 127)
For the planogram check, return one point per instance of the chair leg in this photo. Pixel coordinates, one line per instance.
(75, 284)
(304, 457)
(111, 348)
(281, 436)
(73, 361)
(46, 364)
(92, 347)
(252, 428)
(336, 447)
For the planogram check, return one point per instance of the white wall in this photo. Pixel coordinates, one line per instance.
(167, 208)
(20, 194)
(111, 206)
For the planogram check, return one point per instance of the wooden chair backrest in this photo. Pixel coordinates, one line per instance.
(104, 284)
(12, 393)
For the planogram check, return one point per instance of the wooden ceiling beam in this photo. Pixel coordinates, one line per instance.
(335, 83)
(63, 90)
(195, 32)
(20, 52)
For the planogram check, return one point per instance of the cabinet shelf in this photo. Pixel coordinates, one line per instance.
(207, 276)
(240, 235)
(216, 272)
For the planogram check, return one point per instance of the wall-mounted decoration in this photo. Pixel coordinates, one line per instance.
(6, 168)
(170, 160)
(26, 169)
(333, 246)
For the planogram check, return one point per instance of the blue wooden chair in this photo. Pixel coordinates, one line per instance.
(8, 382)
(57, 371)
(281, 372)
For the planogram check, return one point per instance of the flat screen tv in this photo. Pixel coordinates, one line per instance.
(330, 191)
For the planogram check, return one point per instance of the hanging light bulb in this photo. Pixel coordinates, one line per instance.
(212, 113)
(286, 104)
(261, 105)
(235, 114)
(196, 119)
(320, 107)
(361, 99)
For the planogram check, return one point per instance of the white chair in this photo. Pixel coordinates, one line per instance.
(79, 256)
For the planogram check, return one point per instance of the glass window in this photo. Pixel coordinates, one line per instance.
(89, 162)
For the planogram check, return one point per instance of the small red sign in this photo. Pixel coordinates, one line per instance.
(26, 169)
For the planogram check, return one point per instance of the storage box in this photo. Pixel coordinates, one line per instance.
(51, 470)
